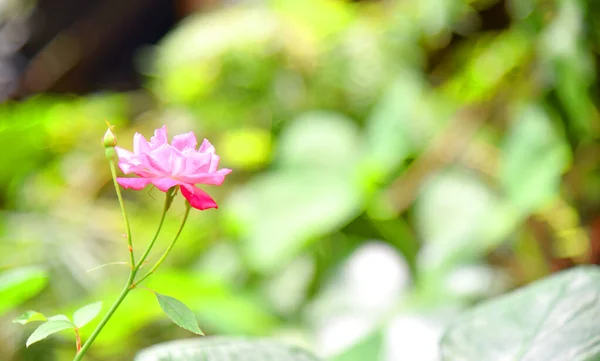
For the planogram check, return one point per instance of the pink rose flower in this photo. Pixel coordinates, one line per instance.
(168, 165)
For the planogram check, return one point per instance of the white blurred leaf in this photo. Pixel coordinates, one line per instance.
(19, 284)
(389, 126)
(315, 190)
(223, 349)
(281, 212)
(534, 158)
(452, 212)
(320, 140)
(554, 319)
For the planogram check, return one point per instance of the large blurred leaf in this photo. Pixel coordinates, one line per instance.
(314, 192)
(320, 140)
(282, 211)
(20, 284)
(554, 319)
(534, 159)
(223, 349)
(451, 214)
(389, 126)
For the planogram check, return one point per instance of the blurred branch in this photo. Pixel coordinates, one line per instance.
(450, 144)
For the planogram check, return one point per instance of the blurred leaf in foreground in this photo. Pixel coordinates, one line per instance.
(552, 320)
(223, 349)
(20, 284)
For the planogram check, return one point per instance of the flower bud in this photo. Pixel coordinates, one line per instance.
(110, 139)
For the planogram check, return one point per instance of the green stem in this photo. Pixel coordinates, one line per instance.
(113, 171)
(168, 200)
(106, 317)
(130, 281)
(162, 258)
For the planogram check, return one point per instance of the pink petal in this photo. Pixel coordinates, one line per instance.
(160, 137)
(140, 144)
(164, 184)
(127, 160)
(217, 178)
(134, 183)
(185, 141)
(206, 147)
(177, 165)
(214, 163)
(135, 168)
(124, 154)
(126, 167)
(197, 163)
(197, 197)
(159, 160)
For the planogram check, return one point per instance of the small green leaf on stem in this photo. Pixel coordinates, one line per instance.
(59, 318)
(179, 313)
(85, 314)
(29, 316)
(48, 328)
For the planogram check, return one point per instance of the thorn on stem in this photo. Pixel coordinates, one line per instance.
(130, 249)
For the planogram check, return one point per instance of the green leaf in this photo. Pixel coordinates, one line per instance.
(319, 140)
(390, 126)
(451, 213)
(179, 313)
(29, 316)
(85, 314)
(552, 320)
(534, 159)
(315, 190)
(223, 349)
(282, 212)
(59, 318)
(20, 284)
(48, 328)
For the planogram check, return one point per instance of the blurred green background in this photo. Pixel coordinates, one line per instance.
(395, 162)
